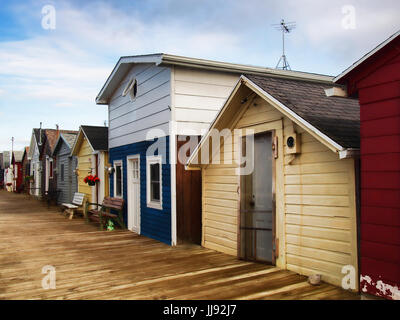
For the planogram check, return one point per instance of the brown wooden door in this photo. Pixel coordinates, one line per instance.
(188, 203)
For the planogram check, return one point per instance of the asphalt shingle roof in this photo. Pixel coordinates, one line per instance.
(336, 117)
(70, 138)
(97, 136)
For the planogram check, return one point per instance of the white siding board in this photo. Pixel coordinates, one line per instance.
(131, 120)
(198, 96)
(149, 122)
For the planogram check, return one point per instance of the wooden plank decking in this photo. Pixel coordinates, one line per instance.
(91, 264)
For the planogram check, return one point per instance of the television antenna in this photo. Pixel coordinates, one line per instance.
(284, 27)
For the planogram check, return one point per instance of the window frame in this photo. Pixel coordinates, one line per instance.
(151, 203)
(62, 175)
(117, 163)
(51, 168)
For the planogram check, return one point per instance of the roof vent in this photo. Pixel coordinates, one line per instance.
(335, 92)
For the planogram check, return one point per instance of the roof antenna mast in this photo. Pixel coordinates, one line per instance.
(284, 27)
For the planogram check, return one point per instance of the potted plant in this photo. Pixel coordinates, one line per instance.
(91, 180)
(28, 178)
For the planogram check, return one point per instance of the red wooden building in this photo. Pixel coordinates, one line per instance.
(375, 80)
(16, 160)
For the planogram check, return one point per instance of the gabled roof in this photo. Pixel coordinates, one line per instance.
(366, 57)
(6, 159)
(68, 138)
(26, 152)
(18, 156)
(97, 136)
(124, 64)
(336, 117)
(334, 121)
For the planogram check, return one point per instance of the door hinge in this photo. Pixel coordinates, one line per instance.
(275, 147)
(276, 247)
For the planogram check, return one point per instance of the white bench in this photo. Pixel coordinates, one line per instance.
(77, 202)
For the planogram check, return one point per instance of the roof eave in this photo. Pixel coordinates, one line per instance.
(359, 62)
(102, 98)
(243, 80)
(331, 144)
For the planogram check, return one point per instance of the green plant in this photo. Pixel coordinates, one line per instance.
(110, 226)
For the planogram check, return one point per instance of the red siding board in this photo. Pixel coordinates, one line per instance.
(380, 180)
(389, 198)
(381, 234)
(380, 92)
(380, 109)
(381, 162)
(381, 251)
(388, 272)
(387, 73)
(380, 127)
(383, 144)
(380, 216)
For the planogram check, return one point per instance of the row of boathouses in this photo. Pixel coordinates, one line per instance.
(266, 165)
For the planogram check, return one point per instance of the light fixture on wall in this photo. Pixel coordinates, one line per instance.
(109, 169)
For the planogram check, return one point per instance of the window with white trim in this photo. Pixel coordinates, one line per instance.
(118, 183)
(154, 182)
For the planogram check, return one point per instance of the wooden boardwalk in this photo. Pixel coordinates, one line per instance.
(91, 264)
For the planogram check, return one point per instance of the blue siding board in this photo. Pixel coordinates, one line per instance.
(154, 223)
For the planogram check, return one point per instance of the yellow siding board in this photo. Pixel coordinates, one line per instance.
(318, 232)
(221, 248)
(221, 203)
(318, 254)
(220, 210)
(317, 189)
(229, 219)
(324, 244)
(227, 227)
(219, 179)
(322, 200)
(221, 241)
(319, 178)
(221, 172)
(327, 222)
(222, 187)
(221, 233)
(328, 267)
(323, 211)
(222, 195)
(327, 167)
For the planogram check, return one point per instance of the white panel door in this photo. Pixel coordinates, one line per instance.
(133, 193)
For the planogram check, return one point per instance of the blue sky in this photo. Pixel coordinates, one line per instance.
(53, 76)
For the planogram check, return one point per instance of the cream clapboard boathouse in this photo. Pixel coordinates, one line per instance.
(297, 208)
